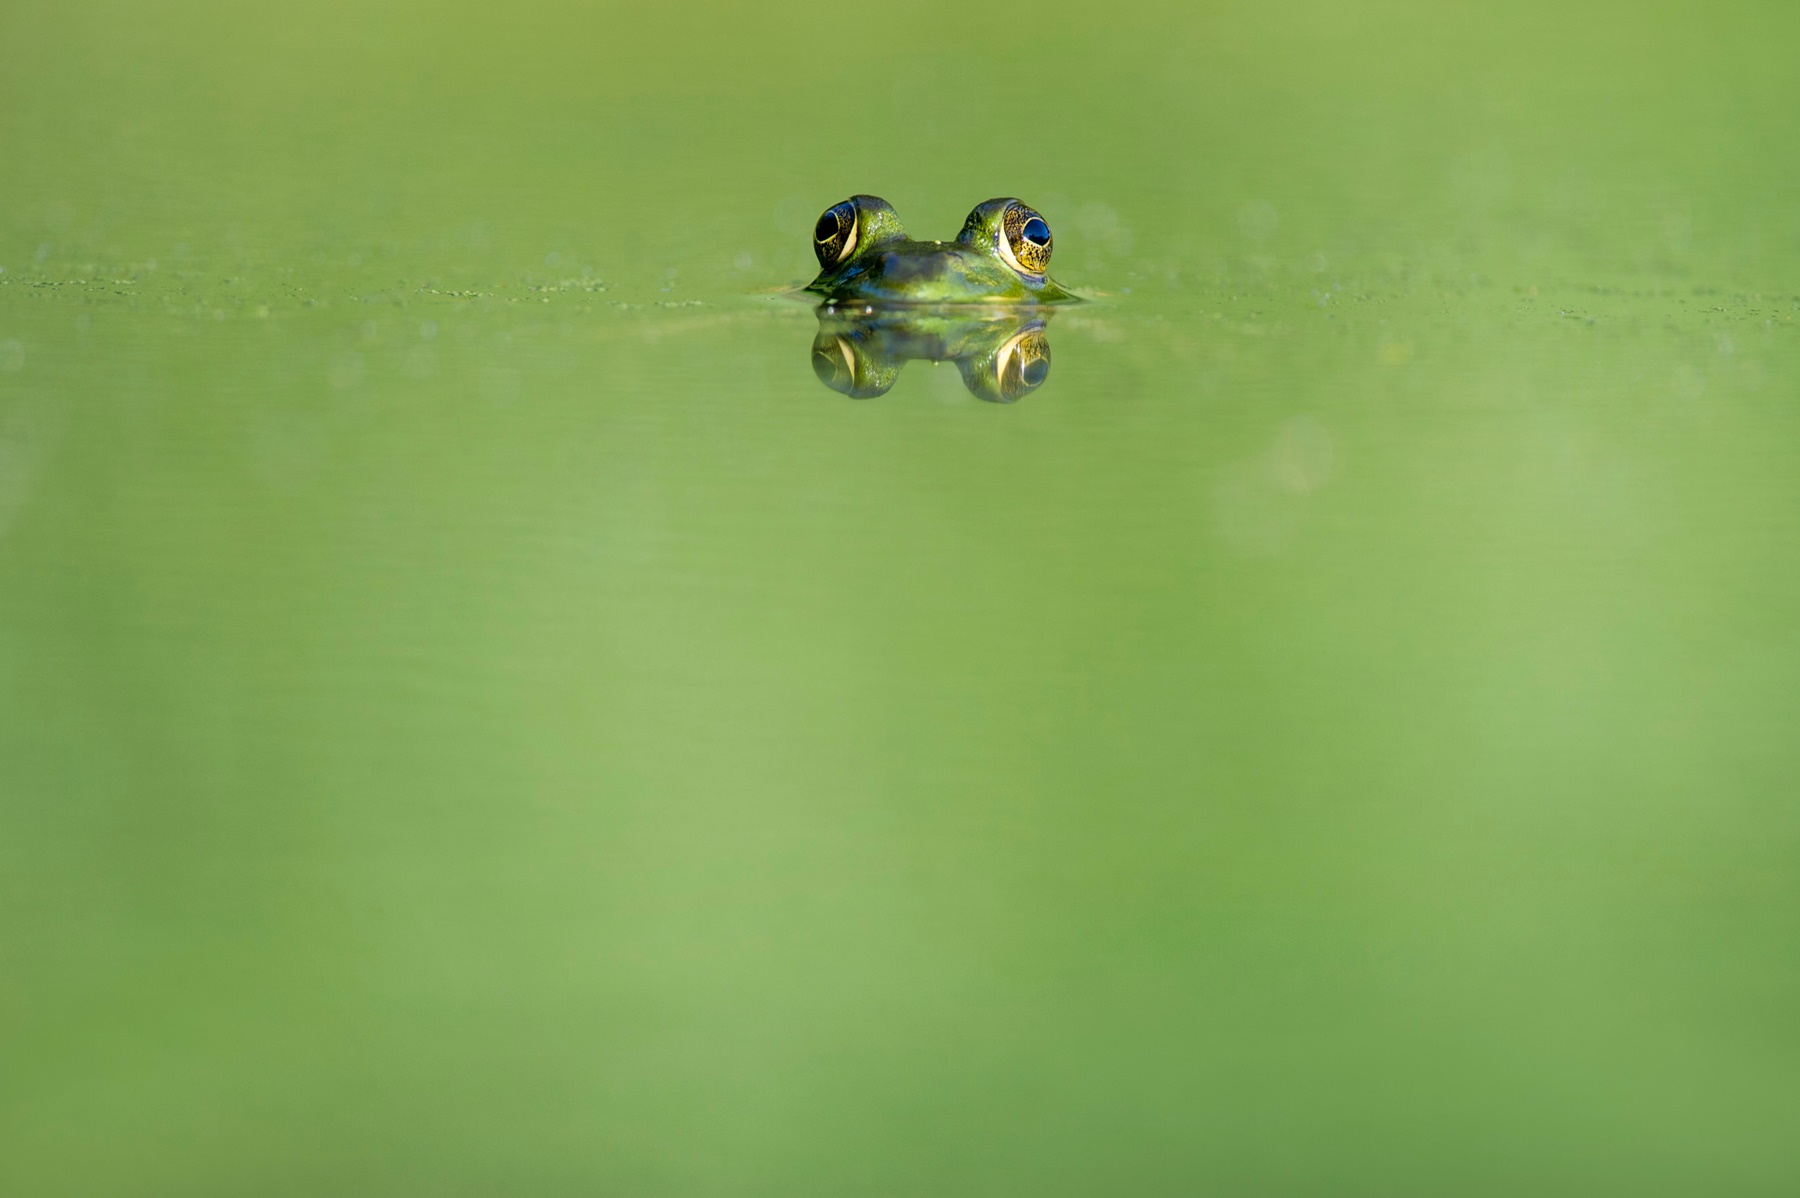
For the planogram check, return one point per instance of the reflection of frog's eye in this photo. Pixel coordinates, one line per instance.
(834, 237)
(1013, 371)
(1023, 363)
(1028, 239)
(847, 369)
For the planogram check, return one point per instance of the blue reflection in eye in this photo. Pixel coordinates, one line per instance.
(1036, 231)
(1035, 371)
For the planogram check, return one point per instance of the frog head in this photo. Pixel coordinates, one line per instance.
(1001, 256)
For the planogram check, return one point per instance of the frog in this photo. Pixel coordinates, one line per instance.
(1001, 351)
(1001, 256)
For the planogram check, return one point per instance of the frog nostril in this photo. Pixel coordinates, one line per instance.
(1036, 231)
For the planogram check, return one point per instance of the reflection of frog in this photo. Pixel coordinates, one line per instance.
(999, 257)
(1002, 353)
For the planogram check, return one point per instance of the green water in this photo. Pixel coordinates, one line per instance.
(478, 717)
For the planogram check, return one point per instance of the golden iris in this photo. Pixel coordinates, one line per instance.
(835, 234)
(1028, 237)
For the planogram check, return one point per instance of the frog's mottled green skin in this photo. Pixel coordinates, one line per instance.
(888, 267)
(1000, 351)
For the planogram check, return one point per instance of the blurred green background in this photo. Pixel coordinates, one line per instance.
(477, 717)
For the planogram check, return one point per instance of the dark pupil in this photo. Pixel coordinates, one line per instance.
(1036, 231)
(827, 228)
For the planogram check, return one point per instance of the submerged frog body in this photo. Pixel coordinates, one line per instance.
(1000, 256)
(1001, 352)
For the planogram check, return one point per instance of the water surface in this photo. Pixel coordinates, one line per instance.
(477, 716)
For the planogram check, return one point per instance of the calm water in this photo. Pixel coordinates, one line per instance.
(477, 716)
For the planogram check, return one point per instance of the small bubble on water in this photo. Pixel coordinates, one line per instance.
(553, 259)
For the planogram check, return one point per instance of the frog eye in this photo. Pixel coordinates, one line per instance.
(1026, 239)
(834, 237)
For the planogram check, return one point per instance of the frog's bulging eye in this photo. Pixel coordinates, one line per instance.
(834, 237)
(1026, 239)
